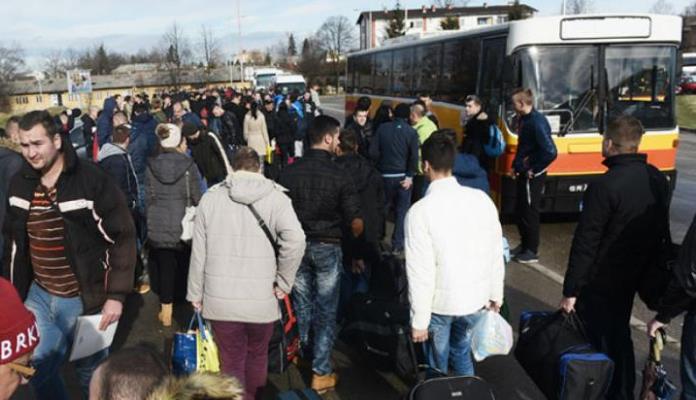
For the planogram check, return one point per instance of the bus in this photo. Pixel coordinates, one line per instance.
(583, 70)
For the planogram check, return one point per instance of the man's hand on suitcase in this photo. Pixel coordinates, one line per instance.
(419, 335)
(568, 304)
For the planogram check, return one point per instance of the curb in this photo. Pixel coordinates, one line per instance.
(635, 322)
(687, 130)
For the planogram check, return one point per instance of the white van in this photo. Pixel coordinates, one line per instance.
(290, 83)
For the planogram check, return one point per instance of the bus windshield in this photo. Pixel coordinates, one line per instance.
(565, 80)
(640, 83)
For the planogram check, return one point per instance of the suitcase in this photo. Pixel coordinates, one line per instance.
(389, 281)
(554, 351)
(299, 394)
(455, 387)
(381, 330)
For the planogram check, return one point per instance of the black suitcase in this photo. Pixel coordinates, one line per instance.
(381, 329)
(388, 280)
(455, 387)
(554, 351)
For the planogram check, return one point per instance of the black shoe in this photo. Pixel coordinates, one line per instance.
(516, 251)
(527, 257)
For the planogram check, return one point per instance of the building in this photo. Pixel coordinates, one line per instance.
(32, 94)
(427, 20)
(689, 34)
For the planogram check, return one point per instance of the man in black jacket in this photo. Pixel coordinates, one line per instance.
(618, 233)
(229, 129)
(114, 159)
(395, 150)
(680, 297)
(69, 248)
(360, 124)
(208, 153)
(89, 128)
(324, 198)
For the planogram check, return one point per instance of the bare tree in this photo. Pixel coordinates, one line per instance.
(336, 36)
(690, 10)
(177, 52)
(53, 64)
(71, 58)
(209, 47)
(662, 7)
(579, 6)
(11, 61)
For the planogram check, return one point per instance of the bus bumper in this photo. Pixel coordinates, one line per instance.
(561, 194)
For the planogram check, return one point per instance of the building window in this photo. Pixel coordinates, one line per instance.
(416, 23)
(484, 21)
(39, 99)
(22, 100)
(502, 19)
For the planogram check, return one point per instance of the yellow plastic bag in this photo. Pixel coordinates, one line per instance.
(207, 357)
(269, 154)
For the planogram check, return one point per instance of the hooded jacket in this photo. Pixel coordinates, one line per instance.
(117, 163)
(105, 123)
(166, 197)
(99, 231)
(10, 163)
(233, 264)
(143, 142)
(469, 173)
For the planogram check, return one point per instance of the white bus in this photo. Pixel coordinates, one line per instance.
(583, 70)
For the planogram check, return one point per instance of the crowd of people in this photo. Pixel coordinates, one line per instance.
(233, 200)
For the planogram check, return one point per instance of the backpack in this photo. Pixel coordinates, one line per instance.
(496, 144)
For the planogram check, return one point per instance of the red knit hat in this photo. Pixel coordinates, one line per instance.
(18, 332)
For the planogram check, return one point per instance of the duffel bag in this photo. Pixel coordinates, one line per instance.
(284, 346)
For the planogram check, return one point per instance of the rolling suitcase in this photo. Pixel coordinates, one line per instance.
(554, 351)
(454, 387)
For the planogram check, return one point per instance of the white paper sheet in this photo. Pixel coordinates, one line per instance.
(89, 339)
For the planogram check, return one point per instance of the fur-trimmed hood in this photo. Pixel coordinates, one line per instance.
(6, 143)
(199, 386)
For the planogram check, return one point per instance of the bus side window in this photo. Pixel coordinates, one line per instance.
(402, 73)
(491, 76)
(427, 68)
(459, 69)
(382, 72)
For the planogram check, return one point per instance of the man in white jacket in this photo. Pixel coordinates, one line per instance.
(454, 260)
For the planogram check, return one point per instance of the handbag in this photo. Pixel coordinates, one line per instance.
(656, 384)
(195, 350)
(189, 215)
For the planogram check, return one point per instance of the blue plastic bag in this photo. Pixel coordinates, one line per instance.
(184, 349)
(496, 143)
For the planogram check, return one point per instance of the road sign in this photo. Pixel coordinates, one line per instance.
(79, 81)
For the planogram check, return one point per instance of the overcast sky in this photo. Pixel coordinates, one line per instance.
(128, 25)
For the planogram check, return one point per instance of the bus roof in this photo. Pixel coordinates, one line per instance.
(595, 28)
(568, 29)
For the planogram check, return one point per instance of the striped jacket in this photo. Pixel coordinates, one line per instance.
(99, 232)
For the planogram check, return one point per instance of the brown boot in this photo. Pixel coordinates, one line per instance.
(324, 383)
(165, 315)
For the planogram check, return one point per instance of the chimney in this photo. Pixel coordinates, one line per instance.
(450, 6)
(485, 5)
(433, 8)
(424, 9)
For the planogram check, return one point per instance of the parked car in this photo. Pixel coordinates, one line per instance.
(688, 85)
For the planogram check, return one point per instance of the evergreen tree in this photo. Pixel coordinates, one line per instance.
(396, 25)
(101, 61)
(450, 23)
(267, 60)
(517, 11)
(292, 47)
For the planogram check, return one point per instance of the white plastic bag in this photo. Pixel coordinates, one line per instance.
(491, 335)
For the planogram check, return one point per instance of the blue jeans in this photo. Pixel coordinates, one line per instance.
(451, 337)
(399, 199)
(688, 357)
(56, 318)
(315, 297)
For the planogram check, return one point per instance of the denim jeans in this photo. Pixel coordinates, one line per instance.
(56, 318)
(399, 199)
(451, 337)
(315, 297)
(688, 357)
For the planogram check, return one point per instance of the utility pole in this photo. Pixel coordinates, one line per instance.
(563, 7)
(240, 51)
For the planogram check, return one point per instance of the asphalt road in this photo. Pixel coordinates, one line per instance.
(535, 287)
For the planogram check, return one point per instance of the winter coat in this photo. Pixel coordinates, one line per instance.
(469, 173)
(618, 231)
(191, 118)
(233, 263)
(287, 127)
(364, 134)
(209, 155)
(99, 231)
(10, 163)
(105, 124)
(88, 125)
(272, 123)
(239, 113)
(477, 134)
(229, 132)
(370, 187)
(535, 149)
(256, 132)
(681, 293)
(323, 195)
(166, 200)
(395, 148)
(117, 163)
(143, 142)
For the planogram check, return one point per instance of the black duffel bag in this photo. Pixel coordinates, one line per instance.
(554, 351)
